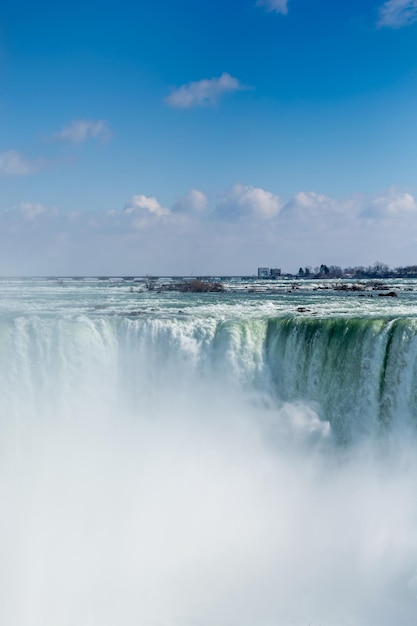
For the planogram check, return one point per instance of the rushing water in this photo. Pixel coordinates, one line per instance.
(237, 459)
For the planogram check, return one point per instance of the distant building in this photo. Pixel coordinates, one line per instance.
(275, 272)
(263, 272)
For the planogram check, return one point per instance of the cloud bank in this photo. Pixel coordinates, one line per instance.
(232, 232)
(203, 92)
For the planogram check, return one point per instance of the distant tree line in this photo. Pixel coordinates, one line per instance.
(377, 270)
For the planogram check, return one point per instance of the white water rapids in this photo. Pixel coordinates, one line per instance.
(194, 467)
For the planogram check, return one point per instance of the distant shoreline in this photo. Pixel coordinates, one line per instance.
(330, 276)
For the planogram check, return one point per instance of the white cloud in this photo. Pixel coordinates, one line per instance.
(79, 131)
(13, 163)
(203, 92)
(274, 6)
(243, 201)
(248, 227)
(144, 210)
(397, 13)
(194, 202)
(309, 205)
(393, 203)
(141, 203)
(32, 210)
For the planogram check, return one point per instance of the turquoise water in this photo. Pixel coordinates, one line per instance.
(237, 459)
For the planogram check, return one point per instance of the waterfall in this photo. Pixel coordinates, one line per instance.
(197, 467)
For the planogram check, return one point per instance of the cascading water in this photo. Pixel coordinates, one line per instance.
(360, 372)
(224, 460)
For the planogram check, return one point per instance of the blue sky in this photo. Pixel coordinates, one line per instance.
(207, 137)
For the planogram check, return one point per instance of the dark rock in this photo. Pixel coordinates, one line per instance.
(200, 286)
